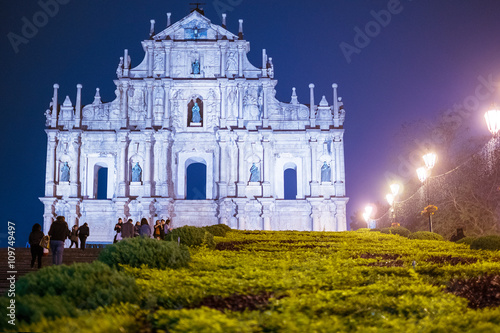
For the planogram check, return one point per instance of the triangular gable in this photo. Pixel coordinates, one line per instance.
(192, 27)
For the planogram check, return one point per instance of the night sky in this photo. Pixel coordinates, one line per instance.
(423, 59)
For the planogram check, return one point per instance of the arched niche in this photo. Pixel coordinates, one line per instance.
(290, 181)
(288, 162)
(101, 178)
(185, 160)
(196, 179)
(199, 101)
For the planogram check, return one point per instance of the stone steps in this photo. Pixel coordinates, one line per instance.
(23, 262)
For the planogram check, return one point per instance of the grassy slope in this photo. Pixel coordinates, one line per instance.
(324, 282)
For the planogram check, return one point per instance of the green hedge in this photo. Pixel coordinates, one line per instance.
(218, 229)
(87, 286)
(425, 235)
(466, 240)
(115, 319)
(33, 308)
(192, 236)
(139, 251)
(486, 243)
(396, 231)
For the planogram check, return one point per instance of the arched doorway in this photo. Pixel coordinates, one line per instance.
(101, 182)
(290, 182)
(196, 181)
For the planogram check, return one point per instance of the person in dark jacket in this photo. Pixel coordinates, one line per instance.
(74, 236)
(118, 229)
(83, 233)
(35, 237)
(128, 229)
(58, 233)
(137, 228)
(145, 228)
(158, 230)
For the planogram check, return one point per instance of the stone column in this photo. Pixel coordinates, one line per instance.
(314, 160)
(241, 188)
(124, 103)
(240, 60)
(78, 106)
(265, 118)
(336, 145)
(75, 167)
(149, 89)
(223, 103)
(241, 90)
(147, 165)
(168, 46)
(157, 156)
(223, 50)
(166, 102)
(339, 184)
(267, 156)
(122, 163)
(313, 144)
(50, 166)
(150, 54)
(312, 116)
(55, 108)
(167, 162)
(224, 167)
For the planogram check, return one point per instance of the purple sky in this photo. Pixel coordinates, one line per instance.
(425, 59)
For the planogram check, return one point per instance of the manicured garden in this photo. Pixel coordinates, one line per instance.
(255, 281)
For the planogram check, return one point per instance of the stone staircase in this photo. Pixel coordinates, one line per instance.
(23, 262)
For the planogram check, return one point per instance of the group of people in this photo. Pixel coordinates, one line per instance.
(58, 233)
(129, 230)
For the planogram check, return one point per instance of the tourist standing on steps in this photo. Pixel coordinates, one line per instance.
(145, 228)
(158, 230)
(58, 233)
(74, 236)
(128, 229)
(83, 233)
(137, 228)
(35, 237)
(163, 230)
(118, 229)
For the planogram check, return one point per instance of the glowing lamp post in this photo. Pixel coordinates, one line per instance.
(423, 175)
(395, 192)
(390, 200)
(493, 120)
(367, 215)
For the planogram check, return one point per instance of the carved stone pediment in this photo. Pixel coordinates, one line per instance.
(192, 27)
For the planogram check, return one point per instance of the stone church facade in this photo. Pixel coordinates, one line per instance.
(196, 111)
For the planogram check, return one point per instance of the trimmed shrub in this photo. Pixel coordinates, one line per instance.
(466, 240)
(87, 286)
(486, 243)
(218, 229)
(139, 251)
(396, 231)
(363, 230)
(426, 235)
(33, 308)
(114, 319)
(192, 236)
(376, 229)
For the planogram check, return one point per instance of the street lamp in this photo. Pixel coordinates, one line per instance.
(395, 191)
(367, 215)
(390, 199)
(423, 175)
(493, 120)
